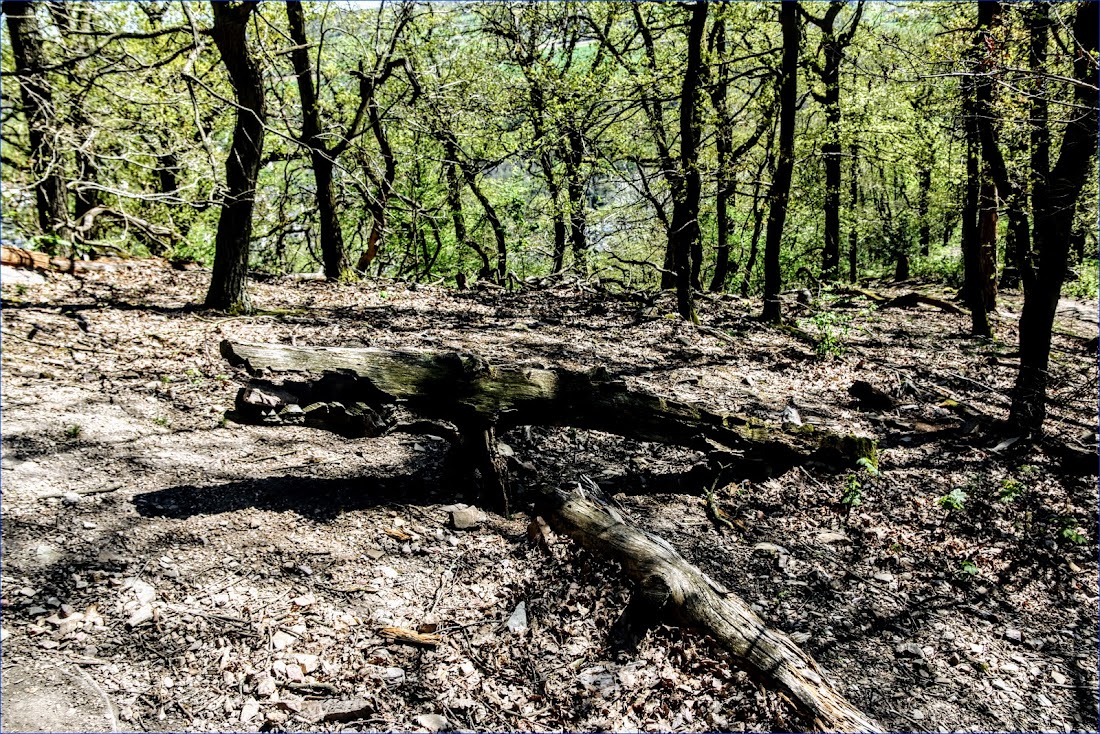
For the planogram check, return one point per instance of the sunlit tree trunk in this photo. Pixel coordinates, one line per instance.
(781, 184)
(242, 167)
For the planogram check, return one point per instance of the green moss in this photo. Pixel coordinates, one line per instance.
(849, 449)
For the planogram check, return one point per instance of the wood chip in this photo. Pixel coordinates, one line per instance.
(408, 637)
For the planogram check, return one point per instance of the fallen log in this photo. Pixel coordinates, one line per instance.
(905, 300)
(672, 585)
(358, 390)
(362, 392)
(30, 260)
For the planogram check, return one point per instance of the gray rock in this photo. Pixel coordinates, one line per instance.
(909, 650)
(466, 518)
(433, 722)
(518, 621)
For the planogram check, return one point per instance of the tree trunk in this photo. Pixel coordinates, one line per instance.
(723, 144)
(925, 184)
(667, 583)
(38, 109)
(971, 232)
(853, 229)
(333, 253)
(454, 202)
(494, 223)
(684, 233)
(830, 151)
(1053, 223)
(781, 185)
(242, 167)
(575, 186)
(987, 241)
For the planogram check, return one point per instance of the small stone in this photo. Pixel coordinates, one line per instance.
(143, 614)
(281, 640)
(1057, 677)
(1044, 701)
(1035, 643)
(1013, 634)
(88, 525)
(466, 518)
(265, 686)
(884, 577)
(466, 668)
(71, 498)
(433, 722)
(4, 634)
(771, 548)
(249, 710)
(375, 553)
(909, 650)
(304, 600)
(309, 663)
(517, 623)
(916, 714)
(830, 537)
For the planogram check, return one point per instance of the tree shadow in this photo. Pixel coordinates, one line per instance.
(315, 498)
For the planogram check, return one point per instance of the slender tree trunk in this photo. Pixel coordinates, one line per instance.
(1053, 223)
(242, 167)
(333, 252)
(454, 202)
(684, 234)
(830, 150)
(987, 241)
(781, 185)
(38, 109)
(971, 227)
(723, 145)
(925, 184)
(494, 223)
(853, 230)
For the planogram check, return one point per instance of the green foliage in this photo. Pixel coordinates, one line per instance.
(968, 567)
(1086, 285)
(831, 329)
(853, 491)
(954, 500)
(74, 431)
(1011, 490)
(1070, 530)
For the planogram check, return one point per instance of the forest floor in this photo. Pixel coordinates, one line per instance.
(166, 571)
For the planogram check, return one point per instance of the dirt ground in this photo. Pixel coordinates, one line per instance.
(164, 570)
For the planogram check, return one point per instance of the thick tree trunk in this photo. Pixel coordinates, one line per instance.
(1053, 218)
(781, 185)
(242, 167)
(987, 241)
(38, 109)
(356, 396)
(684, 233)
(853, 228)
(575, 186)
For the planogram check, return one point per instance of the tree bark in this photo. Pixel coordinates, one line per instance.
(853, 229)
(971, 232)
(322, 160)
(781, 185)
(38, 109)
(684, 233)
(242, 167)
(1053, 223)
(668, 583)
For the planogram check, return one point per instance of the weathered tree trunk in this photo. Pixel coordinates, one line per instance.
(494, 223)
(38, 109)
(242, 167)
(781, 185)
(359, 388)
(666, 580)
(987, 243)
(723, 145)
